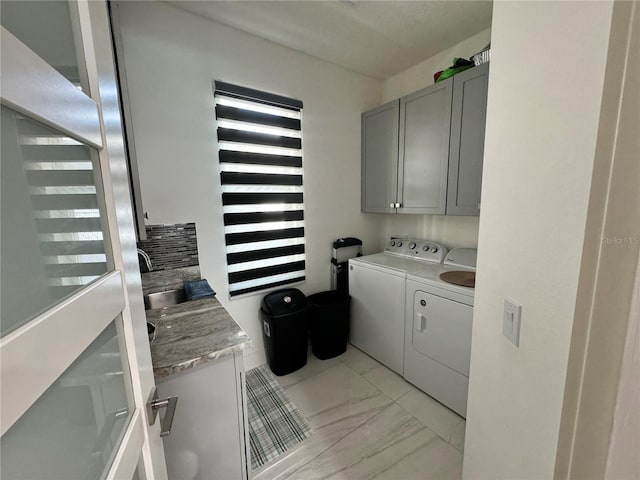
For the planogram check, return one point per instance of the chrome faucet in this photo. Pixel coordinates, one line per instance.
(147, 260)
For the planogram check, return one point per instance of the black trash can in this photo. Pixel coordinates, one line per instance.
(285, 329)
(329, 323)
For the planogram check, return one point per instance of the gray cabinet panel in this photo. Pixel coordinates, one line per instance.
(425, 118)
(380, 158)
(468, 119)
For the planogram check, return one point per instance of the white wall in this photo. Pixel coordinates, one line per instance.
(623, 460)
(172, 57)
(545, 91)
(37, 24)
(421, 74)
(609, 260)
(448, 230)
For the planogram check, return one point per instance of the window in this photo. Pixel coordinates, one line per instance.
(260, 152)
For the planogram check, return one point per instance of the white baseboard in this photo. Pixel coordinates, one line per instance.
(254, 358)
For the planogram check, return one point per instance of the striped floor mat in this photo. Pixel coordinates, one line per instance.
(275, 425)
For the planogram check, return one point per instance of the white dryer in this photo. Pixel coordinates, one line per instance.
(377, 288)
(438, 331)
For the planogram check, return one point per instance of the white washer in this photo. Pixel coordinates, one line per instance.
(377, 285)
(438, 331)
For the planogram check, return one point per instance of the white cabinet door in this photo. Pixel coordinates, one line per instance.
(377, 314)
(207, 440)
(76, 369)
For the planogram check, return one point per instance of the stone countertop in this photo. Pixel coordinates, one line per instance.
(162, 280)
(191, 334)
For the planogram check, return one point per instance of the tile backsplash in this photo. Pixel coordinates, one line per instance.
(170, 246)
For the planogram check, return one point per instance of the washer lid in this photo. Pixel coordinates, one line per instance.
(462, 257)
(384, 260)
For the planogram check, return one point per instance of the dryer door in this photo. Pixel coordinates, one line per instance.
(442, 330)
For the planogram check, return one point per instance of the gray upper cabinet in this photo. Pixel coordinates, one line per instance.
(425, 119)
(469, 109)
(380, 158)
(423, 153)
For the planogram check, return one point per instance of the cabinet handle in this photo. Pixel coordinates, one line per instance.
(392, 205)
(167, 422)
(421, 322)
(398, 205)
(156, 404)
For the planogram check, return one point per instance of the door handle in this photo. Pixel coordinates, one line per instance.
(421, 322)
(155, 404)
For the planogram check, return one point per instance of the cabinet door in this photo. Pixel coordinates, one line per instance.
(468, 119)
(425, 118)
(207, 438)
(380, 158)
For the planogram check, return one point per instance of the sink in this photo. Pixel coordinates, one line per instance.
(164, 299)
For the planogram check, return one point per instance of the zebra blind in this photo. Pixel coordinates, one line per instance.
(260, 153)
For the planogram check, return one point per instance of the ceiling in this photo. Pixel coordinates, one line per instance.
(374, 38)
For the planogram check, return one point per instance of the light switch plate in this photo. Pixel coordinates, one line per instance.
(511, 321)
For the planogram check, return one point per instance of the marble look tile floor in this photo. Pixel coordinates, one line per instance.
(368, 423)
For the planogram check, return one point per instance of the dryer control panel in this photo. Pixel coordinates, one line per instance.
(416, 249)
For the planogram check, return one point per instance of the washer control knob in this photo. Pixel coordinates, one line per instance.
(399, 244)
(393, 244)
(412, 245)
(425, 248)
(423, 303)
(435, 249)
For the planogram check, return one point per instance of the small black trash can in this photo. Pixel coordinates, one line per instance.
(285, 329)
(329, 323)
